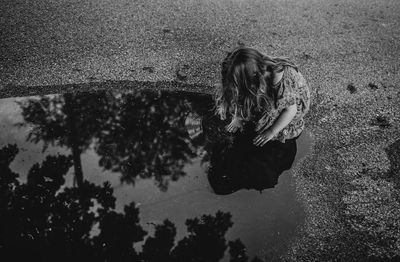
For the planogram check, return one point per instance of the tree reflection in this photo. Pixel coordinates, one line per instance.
(149, 138)
(139, 134)
(70, 120)
(42, 220)
(144, 134)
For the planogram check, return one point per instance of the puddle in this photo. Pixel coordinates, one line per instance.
(164, 151)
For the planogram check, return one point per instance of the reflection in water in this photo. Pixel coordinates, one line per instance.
(41, 222)
(235, 162)
(139, 134)
(139, 138)
(240, 164)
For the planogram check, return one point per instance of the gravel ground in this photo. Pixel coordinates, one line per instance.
(348, 49)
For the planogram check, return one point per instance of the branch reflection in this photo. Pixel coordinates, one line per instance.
(43, 221)
(139, 134)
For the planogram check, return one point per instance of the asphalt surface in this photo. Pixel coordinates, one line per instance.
(348, 50)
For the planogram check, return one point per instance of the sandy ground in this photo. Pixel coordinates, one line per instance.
(348, 49)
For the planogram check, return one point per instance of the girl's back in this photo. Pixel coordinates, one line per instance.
(291, 89)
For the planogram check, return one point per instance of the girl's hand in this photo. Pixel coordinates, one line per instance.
(263, 138)
(234, 126)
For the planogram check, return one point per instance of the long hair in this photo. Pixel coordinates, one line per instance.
(244, 85)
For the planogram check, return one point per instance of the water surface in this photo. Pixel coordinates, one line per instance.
(163, 151)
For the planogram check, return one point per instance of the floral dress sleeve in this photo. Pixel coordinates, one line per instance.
(287, 95)
(295, 92)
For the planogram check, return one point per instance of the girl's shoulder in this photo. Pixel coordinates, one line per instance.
(291, 72)
(295, 78)
(289, 77)
(287, 89)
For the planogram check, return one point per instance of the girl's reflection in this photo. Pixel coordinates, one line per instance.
(236, 163)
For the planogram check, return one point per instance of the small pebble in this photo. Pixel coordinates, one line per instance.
(181, 72)
(305, 56)
(347, 26)
(92, 78)
(372, 86)
(351, 88)
(149, 69)
(240, 43)
(381, 121)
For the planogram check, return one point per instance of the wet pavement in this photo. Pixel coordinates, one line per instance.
(74, 163)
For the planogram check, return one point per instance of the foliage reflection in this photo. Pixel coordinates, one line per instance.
(43, 221)
(139, 134)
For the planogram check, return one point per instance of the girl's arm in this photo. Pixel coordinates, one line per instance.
(283, 120)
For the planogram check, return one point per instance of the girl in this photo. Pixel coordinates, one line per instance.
(268, 91)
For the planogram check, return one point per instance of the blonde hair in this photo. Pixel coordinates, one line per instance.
(244, 85)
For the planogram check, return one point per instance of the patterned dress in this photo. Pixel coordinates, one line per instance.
(291, 89)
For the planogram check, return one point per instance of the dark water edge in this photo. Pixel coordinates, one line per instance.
(143, 145)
